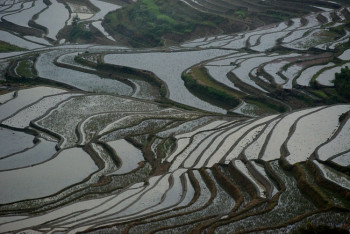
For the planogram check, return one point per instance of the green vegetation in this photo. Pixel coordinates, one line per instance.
(342, 82)
(340, 28)
(319, 93)
(165, 147)
(279, 15)
(265, 104)
(201, 84)
(198, 81)
(6, 47)
(149, 22)
(24, 69)
(328, 95)
(78, 31)
(240, 13)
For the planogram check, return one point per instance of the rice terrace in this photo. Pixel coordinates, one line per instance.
(174, 116)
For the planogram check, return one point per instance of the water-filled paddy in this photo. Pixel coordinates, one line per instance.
(53, 18)
(20, 42)
(67, 168)
(129, 155)
(81, 80)
(37, 154)
(14, 141)
(168, 67)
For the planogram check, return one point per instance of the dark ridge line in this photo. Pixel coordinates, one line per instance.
(36, 139)
(100, 73)
(196, 187)
(278, 118)
(149, 116)
(324, 182)
(338, 131)
(282, 116)
(209, 144)
(161, 211)
(138, 195)
(266, 123)
(284, 149)
(114, 190)
(37, 142)
(60, 191)
(15, 95)
(239, 126)
(309, 190)
(214, 131)
(261, 179)
(230, 188)
(243, 213)
(35, 102)
(210, 185)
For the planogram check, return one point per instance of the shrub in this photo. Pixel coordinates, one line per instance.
(240, 14)
(78, 31)
(342, 82)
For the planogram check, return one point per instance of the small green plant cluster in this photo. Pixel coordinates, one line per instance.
(340, 28)
(240, 13)
(6, 47)
(342, 82)
(78, 31)
(24, 69)
(166, 146)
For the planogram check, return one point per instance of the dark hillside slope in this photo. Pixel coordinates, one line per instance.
(151, 23)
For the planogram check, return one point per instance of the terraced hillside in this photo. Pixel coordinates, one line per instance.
(241, 132)
(150, 23)
(115, 163)
(38, 23)
(147, 23)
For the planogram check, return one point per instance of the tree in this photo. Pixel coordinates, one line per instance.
(342, 82)
(75, 20)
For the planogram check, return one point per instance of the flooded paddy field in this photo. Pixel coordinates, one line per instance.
(244, 132)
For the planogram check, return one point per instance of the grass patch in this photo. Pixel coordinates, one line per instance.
(329, 95)
(199, 81)
(240, 13)
(203, 78)
(6, 47)
(340, 28)
(166, 146)
(330, 91)
(265, 104)
(24, 68)
(319, 93)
